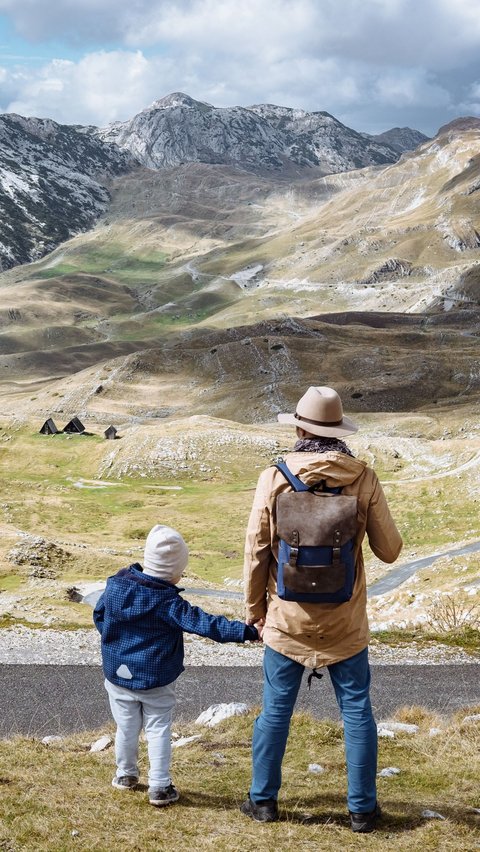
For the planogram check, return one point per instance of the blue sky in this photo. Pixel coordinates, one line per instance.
(374, 64)
(17, 51)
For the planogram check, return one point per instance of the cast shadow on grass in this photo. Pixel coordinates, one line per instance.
(397, 816)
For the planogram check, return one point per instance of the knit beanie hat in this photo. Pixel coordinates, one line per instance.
(166, 554)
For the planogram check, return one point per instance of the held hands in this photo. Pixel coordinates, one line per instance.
(260, 624)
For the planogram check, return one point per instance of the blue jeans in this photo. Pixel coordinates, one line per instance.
(351, 682)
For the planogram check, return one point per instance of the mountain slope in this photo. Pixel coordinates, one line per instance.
(378, 362)
(52, 184)
(395, 239)
(213, 245)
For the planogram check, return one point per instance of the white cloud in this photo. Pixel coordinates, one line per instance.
(472, 108)
(437, 33)
(107, 86)
(465, 13)
(272, 29)
(77, 21)
(474, 91)
(362, 57)
(100, 88)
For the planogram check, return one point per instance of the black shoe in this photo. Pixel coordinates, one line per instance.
(159, 796)
(364, 823)
(125, 782)
(266, 811)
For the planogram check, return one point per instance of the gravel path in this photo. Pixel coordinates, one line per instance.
(21, 645)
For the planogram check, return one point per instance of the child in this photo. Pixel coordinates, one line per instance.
(141, 617)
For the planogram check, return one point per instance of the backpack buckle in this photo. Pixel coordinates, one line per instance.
(294, 549)
(336, 547)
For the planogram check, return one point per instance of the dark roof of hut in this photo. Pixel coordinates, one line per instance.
(48, 428)
(74, 425)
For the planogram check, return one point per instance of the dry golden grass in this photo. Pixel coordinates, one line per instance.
(60, 797)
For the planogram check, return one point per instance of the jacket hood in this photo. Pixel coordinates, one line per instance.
(133, 594)
(337, 468)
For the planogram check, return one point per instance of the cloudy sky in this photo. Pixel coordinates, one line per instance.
(374, 64)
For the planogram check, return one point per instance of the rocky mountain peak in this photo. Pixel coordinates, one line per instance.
(277, 113)
(177, 99)
(53, 177)
(402, 138)
(261, 139)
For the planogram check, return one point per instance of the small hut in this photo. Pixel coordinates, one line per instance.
(110, 433)
(74, 427)
(48, 428)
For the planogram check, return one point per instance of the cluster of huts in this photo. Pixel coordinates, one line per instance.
(74, 427)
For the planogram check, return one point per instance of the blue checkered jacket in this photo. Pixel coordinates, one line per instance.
(141, 620)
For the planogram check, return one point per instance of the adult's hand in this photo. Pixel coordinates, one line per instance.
(260, 624)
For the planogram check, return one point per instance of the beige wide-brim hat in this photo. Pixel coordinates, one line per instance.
(320, 412)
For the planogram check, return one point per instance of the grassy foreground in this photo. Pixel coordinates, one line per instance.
(60, 797)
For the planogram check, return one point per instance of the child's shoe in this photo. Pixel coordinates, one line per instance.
(159, 796)
(125, 782)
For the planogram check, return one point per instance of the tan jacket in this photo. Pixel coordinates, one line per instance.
(315, 634)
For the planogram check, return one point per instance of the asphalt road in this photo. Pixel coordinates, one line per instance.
(396, 576)
(45, 700)
(392, 579)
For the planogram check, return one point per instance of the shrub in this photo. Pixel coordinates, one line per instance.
(451, 615)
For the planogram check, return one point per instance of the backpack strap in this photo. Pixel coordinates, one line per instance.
(293, 480)
(298, 485)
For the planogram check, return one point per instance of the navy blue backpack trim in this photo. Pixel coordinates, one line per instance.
(322, 569)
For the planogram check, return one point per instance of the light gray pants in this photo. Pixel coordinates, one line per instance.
(151, 709)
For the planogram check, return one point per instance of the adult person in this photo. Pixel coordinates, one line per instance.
(312, 635)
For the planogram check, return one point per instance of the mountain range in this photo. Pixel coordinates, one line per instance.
(221, 287)
(54, 178)
(261, 139)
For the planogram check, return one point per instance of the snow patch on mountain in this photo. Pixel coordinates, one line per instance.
(52, 184)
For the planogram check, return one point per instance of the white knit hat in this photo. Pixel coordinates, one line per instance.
(166, 554)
